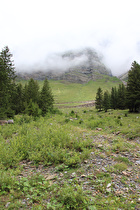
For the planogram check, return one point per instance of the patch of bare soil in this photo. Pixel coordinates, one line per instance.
(85, 104)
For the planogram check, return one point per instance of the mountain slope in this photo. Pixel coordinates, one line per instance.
(75, 66)
(124, 76)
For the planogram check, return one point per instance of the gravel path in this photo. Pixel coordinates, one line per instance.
(92, 171)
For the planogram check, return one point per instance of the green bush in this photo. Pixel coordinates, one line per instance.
(7, 181)
(96, 123)
(72, 113)
(73, 197)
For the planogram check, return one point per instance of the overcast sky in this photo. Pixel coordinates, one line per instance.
(35, 28)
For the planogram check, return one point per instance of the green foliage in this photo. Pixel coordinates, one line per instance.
(120, 166)
(46, 98)
(96, 123)
(121, 102)
(114, 98)
(106, 101)
(33, 109)
(73, 197)
(64, 91)
(72, 113)
(31, 91)
(15, 99)
(122, 159)
(50, 144)
(99, 99)
(7, 85)
(133, 88)
(6, 181)
(48, 164)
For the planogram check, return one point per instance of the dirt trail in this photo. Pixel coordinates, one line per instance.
(85, 104)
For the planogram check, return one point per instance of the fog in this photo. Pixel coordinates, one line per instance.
(38, 31)
(55, 62)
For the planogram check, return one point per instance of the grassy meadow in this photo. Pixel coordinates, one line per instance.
(77, 158)
(64, 91)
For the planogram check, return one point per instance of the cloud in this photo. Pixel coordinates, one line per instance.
(36, 31)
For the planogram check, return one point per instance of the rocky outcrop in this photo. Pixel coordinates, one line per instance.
(76, 66)
(124, 76)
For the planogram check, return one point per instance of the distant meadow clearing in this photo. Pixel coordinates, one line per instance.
(64, 91)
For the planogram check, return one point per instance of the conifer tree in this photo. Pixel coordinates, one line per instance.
(46, 98)
(7, 83)
(113, 98)
(32, 91)
(133, 88)
(121, 97)
(99, 99)
(19, 99)
(33, 109)
(106, 101)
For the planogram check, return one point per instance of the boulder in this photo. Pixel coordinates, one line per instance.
(10, 121)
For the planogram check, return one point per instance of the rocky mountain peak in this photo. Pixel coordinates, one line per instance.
(75, 66)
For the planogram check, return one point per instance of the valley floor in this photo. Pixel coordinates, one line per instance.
(93, 161)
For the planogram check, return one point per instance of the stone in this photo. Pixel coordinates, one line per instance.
(118, 132)
(109, 185)
(108, 189)
(50, 177)
(83, 176)
(104, 170)
(138, 161)
(100, 145)
(125, 173)
(7, 204)
(119, 192)
(73, 175)
(99, 129)
(10, 121)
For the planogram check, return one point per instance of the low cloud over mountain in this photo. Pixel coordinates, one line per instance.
(75, 66)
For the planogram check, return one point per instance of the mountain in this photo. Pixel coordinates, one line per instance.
(75, 66)
(124, 76)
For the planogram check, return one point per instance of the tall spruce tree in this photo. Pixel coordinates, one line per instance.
(19, 108)
(113, 98)
(32, 91)
(133, 88)
(7, 83)
(99, 99)
(106, 101)
(121, 97)
(46, 98)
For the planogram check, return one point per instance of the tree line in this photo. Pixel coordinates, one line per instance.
(123, 97)
(14, 98)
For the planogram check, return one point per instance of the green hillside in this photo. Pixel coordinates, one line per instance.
(65, 91)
